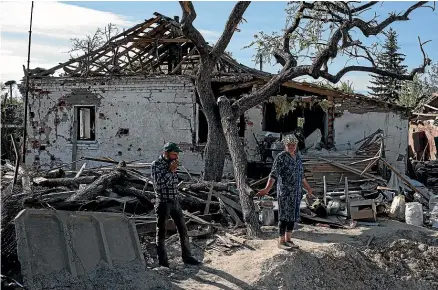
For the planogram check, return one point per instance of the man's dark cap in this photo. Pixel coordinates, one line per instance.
(171, 147)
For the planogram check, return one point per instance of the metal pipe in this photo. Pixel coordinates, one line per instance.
(26, 100)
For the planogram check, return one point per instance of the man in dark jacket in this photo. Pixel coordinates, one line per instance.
(165, 181)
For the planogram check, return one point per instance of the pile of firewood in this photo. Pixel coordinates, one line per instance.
(120, 188)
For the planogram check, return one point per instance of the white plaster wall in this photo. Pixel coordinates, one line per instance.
(155, 110)
(350, 128)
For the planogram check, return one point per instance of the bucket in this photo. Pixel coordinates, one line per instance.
(414, 214)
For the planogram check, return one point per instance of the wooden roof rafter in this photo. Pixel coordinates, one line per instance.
(133, 50)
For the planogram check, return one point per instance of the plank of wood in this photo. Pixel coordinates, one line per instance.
(228, 201)
(353, 170)
(227, 243)
(347, 197)
(81, 170)
(407, 182)
(426, 115)
(325, 190)
(207, 205)
(321, 220)
(235, 238)
(74, 139)
(232, 213)
(200, 220)
(364, 160)
(260, 181)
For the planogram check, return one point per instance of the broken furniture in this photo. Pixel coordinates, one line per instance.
(363, 210)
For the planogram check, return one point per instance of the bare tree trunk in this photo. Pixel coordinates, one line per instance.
(238, 155)
(216, 148)
(215, 152)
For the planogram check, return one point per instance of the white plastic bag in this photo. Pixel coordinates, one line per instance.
(414, 214)
(398, 207)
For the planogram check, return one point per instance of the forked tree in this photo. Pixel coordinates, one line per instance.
(331, 25)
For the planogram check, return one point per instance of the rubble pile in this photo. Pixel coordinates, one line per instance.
(388, 263)
(427, 173)
(120, 188)
(349, 191)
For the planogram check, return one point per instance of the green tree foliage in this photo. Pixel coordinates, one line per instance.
(385, 87)
(413, 93)
(431, 79)
(346, 87)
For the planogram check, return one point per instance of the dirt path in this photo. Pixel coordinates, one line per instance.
(399, 256)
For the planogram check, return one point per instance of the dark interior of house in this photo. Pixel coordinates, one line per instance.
(313, 119)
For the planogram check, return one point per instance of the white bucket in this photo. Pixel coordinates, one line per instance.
(414, 214)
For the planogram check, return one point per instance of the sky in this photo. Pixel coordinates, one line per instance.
(55, 23)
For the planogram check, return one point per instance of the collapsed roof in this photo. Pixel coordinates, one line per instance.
(158, 46)
(155, 46)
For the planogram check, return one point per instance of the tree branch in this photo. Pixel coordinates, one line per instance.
(369, 30)
(230, 27)
(363, 7)
(294, 26)
(341, 73)
(405, 77)
(289, 71)
(346, 9)
(189, 15)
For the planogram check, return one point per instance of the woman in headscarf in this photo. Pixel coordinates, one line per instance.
(288, 171)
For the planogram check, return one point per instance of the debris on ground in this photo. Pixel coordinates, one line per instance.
(351, 191)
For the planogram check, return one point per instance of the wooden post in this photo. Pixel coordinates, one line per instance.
(74, 139)
(17, 160)
(207, 205)
(325, 190)
(26, 98)
(80, 170)
(347, 198)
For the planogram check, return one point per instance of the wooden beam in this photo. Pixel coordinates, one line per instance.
(232, 87)
(162, 40)
(104, 49)
(352, 170)
(207, 205)
(191, 52)
(429, 106)
(347, 198)
(407, 182)
(426, 115)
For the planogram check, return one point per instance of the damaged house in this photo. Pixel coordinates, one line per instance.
(130, 96)
(423, 143)
(423, 131)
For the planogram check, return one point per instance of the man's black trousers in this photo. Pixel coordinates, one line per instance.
(172, 208)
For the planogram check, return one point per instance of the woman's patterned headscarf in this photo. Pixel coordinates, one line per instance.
(288, 139)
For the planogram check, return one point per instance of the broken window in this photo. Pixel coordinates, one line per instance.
(86, 123)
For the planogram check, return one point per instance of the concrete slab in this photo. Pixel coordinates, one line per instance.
(60, 249)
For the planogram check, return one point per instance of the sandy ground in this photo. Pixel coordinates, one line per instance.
(398, 256)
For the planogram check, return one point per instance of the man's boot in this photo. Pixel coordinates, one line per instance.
(191, 261)
(186, 252)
